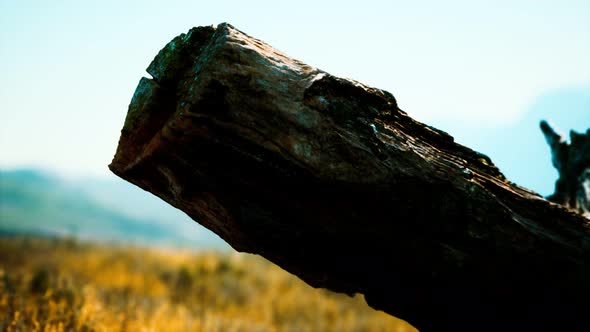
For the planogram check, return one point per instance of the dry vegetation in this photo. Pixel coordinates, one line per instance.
(63, 285)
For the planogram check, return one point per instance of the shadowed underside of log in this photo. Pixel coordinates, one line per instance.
(330, 180)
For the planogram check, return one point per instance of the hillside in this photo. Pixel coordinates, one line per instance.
(34, 202)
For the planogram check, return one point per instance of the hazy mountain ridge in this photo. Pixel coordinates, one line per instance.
(36, 202)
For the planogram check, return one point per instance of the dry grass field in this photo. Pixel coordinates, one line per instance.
(65, 285)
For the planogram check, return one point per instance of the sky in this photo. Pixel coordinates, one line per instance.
(484, 71)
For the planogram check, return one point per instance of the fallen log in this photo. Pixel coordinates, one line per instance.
(330, 180)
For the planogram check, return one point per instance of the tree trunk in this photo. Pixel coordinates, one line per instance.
(330, 180)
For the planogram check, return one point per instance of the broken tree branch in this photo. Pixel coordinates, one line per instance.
(572, 161)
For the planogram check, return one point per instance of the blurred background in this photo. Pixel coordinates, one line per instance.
(484, 71)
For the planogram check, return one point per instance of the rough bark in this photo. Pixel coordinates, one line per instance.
(330, 180)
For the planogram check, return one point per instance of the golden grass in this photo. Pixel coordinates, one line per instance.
(63, 285)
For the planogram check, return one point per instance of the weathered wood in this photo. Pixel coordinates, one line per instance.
(330, 180)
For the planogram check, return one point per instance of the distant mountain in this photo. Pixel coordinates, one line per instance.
(35, 202)
(519, 148)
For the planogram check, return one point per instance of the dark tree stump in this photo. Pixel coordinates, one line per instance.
(330, 180)
(572, 161)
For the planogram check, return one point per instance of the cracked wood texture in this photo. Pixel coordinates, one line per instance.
(330, 180)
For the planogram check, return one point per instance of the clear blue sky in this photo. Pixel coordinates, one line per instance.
(482, 70)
